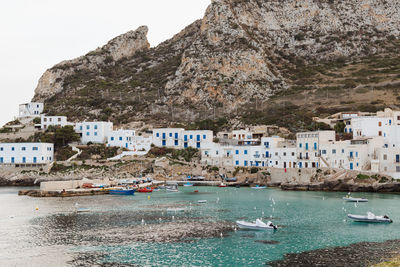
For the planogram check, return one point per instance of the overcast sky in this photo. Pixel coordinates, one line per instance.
(37, 34)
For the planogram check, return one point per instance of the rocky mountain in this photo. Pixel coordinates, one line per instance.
(249, 61)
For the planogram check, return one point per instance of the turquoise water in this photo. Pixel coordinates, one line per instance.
(310, 220)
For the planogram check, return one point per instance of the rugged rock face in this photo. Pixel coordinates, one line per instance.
(123, 46)
(252, 60)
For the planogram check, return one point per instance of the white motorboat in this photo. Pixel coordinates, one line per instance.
(257, 225)
(370, 218)
(202, 201)
(81, 210)
(349, 198)
(258, 187)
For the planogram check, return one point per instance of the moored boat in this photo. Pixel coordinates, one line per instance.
(172, 188)
(122, 191)
(145, 190)
(257, 225)
(202, 201)
(258, 187)
(222, 185)
(188, 184)
(81, 210)
(349, 198)
(370, 217)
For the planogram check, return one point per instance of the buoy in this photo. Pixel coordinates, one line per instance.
(148, 197)
(36, 208)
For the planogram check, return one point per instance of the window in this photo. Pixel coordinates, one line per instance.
(112, 138)
(80, 128)
(95, 133)
(185, 145)
(164, 143)
(315, 146)
(170, 134)
(1, 160)
(23, 160)
(324, 152)
(380, 133)
(1, 149)
(292, 153)
(87, 134)
(198, 144)
(176, 135)
(13, 149)
(245, 163)
(59, 119)
(333, 151)
(191, 136)
(157, 134)
(23, 148)
(380, 124)
(300, 145)
(237, 162)
(120, 138)
(45, 119)
(95, 127)
(245, 152)
(204, 136)
(35, 148)
(12, 160)
(342, 151)
(176, 142)
(306, 146)
(284, 153)
(185, 137)
(397, 168)
(237, 152)
(87, 127)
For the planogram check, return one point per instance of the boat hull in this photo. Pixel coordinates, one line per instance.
(355, 199)
(122, 192)
(251, 226)
(359, 218)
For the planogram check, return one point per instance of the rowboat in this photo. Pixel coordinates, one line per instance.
(122, 191)
(257, 225)
(370, 218)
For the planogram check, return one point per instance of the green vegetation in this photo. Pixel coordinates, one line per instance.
(37, 120)
(99, 151)
(61, 137)
(339, 127)
(64, 153)
(363, 176)
(187, 154)
(254, 170)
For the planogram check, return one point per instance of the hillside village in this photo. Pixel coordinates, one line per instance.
(363, 143)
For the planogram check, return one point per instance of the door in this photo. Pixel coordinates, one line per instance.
(397, 158)
(351, 166)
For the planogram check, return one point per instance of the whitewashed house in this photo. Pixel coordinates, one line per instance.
(56, 121)
(26, 153)
(121, 138)
(94, 132)
(179, 138)
(33, 109)
(308, 147)
(387, 161)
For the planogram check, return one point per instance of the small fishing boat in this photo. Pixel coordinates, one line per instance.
(370, 218)
(258, 187)
(145, 190)
(349, 198)
(233, 179)
(176, 210)
(172, 188)
(222, 185)
(122, 191)
(202, 201)
(257, 225)
(188, 184)
(81, 210)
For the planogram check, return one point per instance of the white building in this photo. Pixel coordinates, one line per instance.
(387, 161)
(308, 147)
(94, 132)
(26, 153)
(56, 121)
(121, 138)
(30, 110)
(179, 138)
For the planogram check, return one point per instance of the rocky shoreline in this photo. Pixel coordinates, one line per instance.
(342, 186)
(356, 255)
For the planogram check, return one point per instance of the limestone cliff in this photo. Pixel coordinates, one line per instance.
(251, 61)
(123, 46)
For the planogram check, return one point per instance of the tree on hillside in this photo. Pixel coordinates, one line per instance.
(339, 127)
(65, 135)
